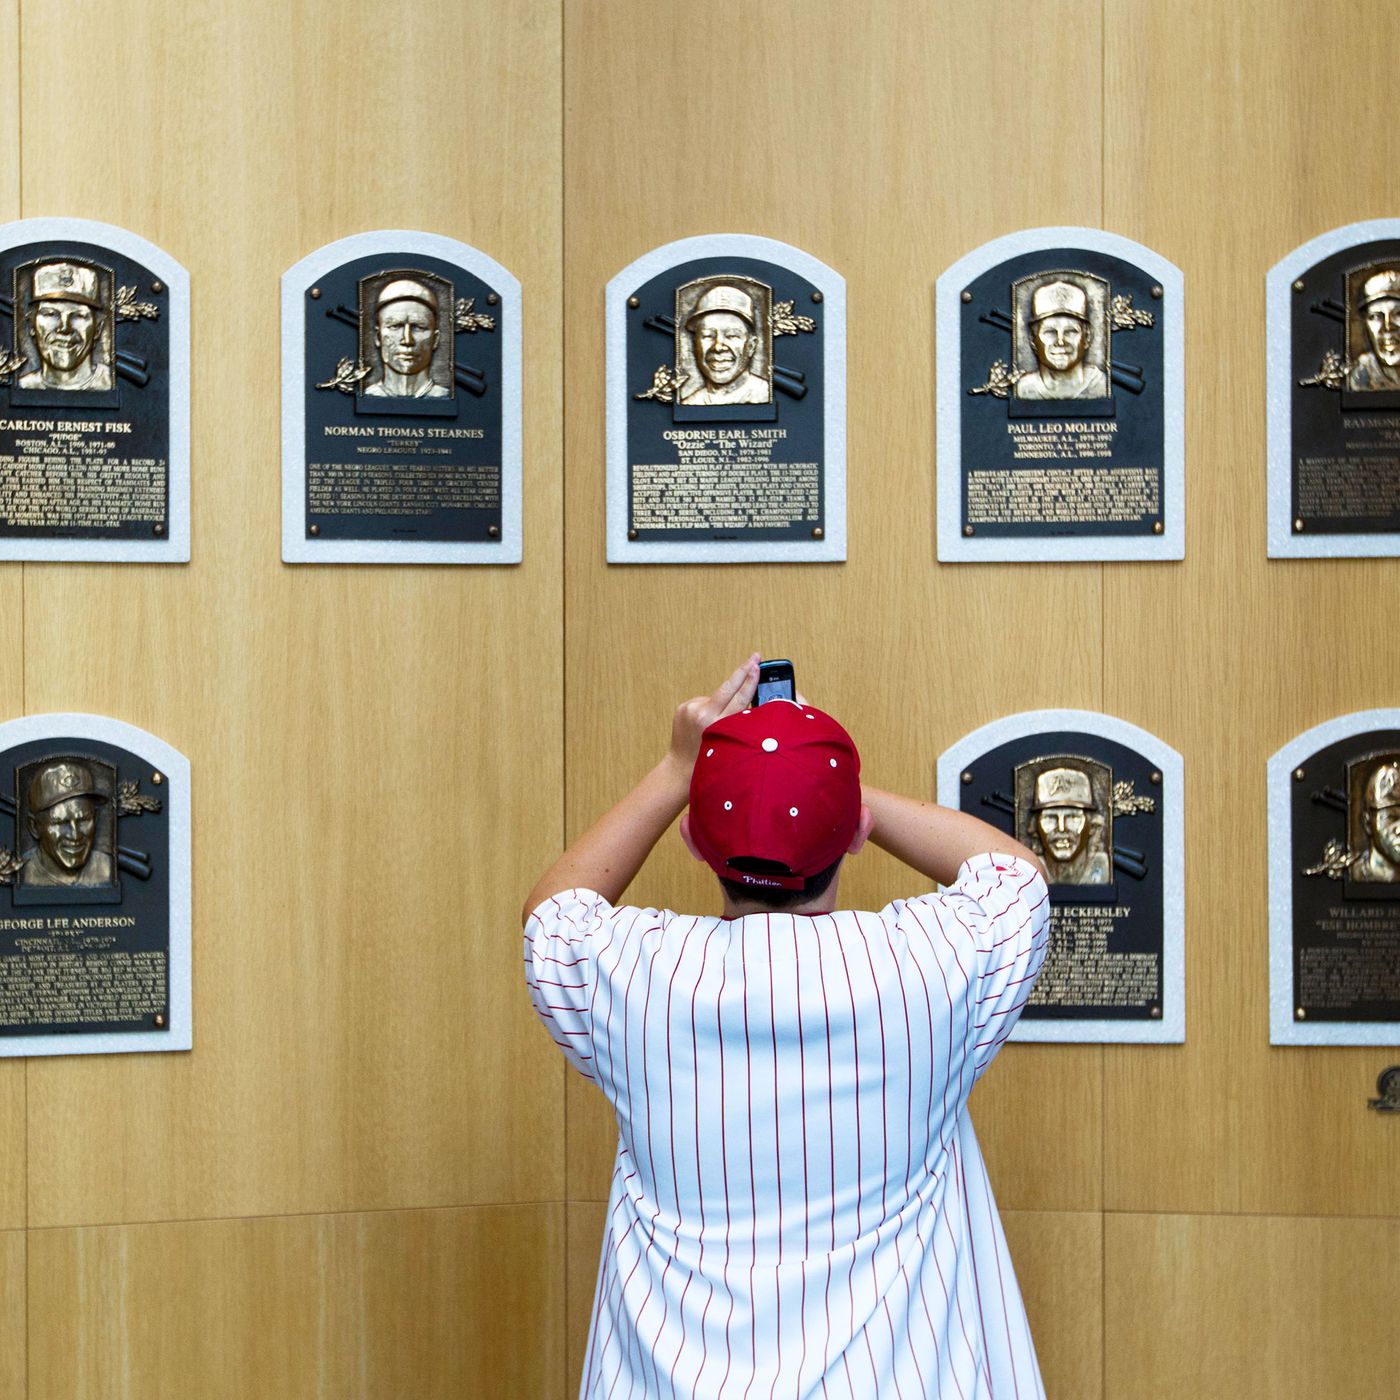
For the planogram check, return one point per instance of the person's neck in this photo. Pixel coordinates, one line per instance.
(406, 386)
(823, 904)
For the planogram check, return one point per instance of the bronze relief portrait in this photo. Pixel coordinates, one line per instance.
(1064, 813)
(1060, 336)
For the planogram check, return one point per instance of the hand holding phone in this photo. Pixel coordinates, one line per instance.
(775, 682)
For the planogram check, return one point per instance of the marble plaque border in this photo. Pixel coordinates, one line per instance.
(1278, 407)
(1283, 1029)
(832, 548)
(175, 547)
(953, 547)
(1171, 1029)
(175, 794)
(296, 547)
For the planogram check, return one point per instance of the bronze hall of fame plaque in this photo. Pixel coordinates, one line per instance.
(401, 414)
(1060, 401)
(726, 405)
(1334, 395)
(94, 395)
(1099, 801)
(94, 889)
(1334, 884)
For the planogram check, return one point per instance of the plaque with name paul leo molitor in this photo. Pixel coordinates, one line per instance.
(401, 401)
(94, 395)
(1334, 884)
(1334, 395)
(1099, 801)
(1061, 401)
(94, 888)
(726, 405)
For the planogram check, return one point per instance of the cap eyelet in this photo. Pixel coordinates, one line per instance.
(728, 806)
(792, 811)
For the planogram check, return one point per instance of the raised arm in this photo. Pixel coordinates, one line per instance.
(935, 840)
(608, 855)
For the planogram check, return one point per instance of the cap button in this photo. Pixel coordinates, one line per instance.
(769, 745)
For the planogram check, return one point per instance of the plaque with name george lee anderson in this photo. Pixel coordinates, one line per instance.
(726, 405)
(1099, 801)
(1060, 401)
(1334, 395)
(1334, 884)
(401, 422)
(94, 395)
(94, 889)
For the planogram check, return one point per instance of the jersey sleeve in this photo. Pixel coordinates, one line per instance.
(561, 945)
(1003, 905)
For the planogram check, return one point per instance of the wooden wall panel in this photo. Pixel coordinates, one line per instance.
(586, 1219)
(14, 1357)
(435, 1304)
(1251, 1308)
(375, 781)
(888, 150)
(1229, 141)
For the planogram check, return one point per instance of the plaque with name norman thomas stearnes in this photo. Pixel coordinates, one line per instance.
(1334, 884)
(726, 405)
(94, 395)
(1334, 394)
(1060, 401)
(401, 414)
(94, 888)
(1099, 801)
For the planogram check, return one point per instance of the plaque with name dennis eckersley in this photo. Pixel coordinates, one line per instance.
(1334, 395)
(94, 395)
(94, 888)
(1060, 401)
(726, 405)
(1099, 801)
(401, 422)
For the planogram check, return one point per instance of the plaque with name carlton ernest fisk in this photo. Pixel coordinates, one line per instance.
(401, 422)
(1060, 401)
(1334, 884)
(1099, 801)
(94, 395)
(94, 889)
(1334, 395)
(726, 405)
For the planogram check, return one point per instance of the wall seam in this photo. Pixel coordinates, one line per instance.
(564, 625)
(1103, 705)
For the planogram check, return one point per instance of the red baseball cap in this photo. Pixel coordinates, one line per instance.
(778, 783)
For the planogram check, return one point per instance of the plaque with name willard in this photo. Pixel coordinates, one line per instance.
(1060, 401)
(1334, 394)
(94, 395)
(1334, 884)
(726, 405)
(400, 404)
(94, 889)
(1099, 801)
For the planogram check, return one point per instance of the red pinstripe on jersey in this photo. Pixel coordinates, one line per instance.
(799, 1205)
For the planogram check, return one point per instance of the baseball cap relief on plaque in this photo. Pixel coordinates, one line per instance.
(1099, 802)
(400, 404)
(94, 889)
(726, 404)
(1334, 394)
(1334, 884)
(1060, 400)
(94, 395)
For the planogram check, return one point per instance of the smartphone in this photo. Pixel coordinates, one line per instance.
(775, 682)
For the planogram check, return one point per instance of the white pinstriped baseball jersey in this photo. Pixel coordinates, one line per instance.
(799, 1206)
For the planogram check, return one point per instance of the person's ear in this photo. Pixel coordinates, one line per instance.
(863, 830)
(689, 839)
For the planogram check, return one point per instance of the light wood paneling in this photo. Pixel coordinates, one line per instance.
(1059, 1265)
(1216, 114)
(376, 779)
(586, 1219)
(1251, 1307)
(434, 1304)
(12, 1144)
(886, 149)
(13, 1351)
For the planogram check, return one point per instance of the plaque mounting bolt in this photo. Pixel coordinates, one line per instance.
(157, 779)
(157, 529)
(1298, 526)
(1298, 775)
(157, 286)
(1156, 292)
(818, 533)
(159, 1019)
(1156, 1013)
(1156, 777)
(1299, 1014)
(1298, 285)
(315, 294)
(491, 298)
(634, 302)
(967, 779)
(969, 531)
(631, 534)
(313, 531)
(1157, 527)
(493, 532)
(817, 297)
(967, 296)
